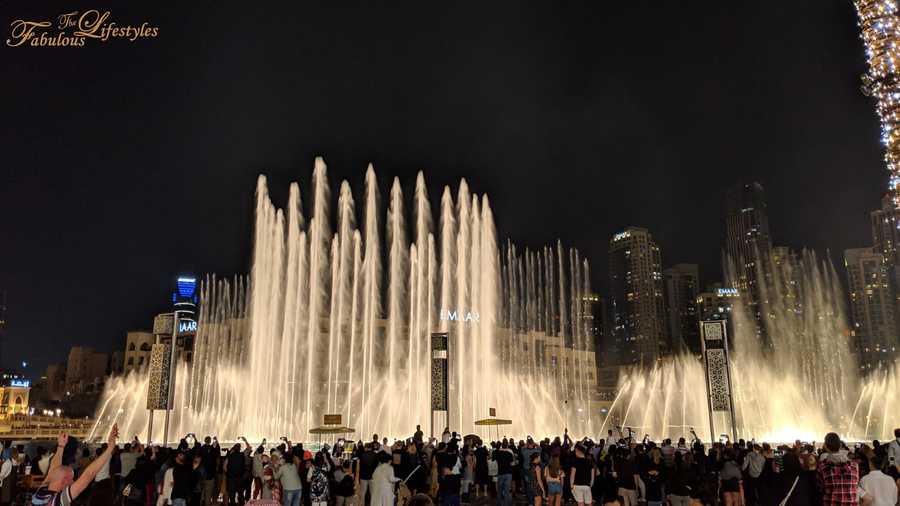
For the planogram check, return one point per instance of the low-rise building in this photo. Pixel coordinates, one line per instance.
(137, 350)
(85, 370)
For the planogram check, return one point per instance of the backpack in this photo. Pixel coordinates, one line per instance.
(318, 486)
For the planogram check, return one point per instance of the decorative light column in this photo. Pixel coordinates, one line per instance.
(880, 32)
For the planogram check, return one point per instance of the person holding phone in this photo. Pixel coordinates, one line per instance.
(893, 453)
(60, 488)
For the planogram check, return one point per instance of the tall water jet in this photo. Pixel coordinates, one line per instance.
(798, 383)
(336, 320)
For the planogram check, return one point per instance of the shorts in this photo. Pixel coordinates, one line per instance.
(554, 488)
(582, 494)
(731, 485)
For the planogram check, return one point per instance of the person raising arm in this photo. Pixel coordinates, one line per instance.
(60, 488)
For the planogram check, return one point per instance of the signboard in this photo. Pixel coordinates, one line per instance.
(440, 387)
(331, 420)
(162, 324)
(158, 395)
(20, 383)
(714, 340)
(187, 327)
(460, 316)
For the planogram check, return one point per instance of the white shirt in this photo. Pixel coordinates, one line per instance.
(44, 464)
(383, 479)
(165, 492)
(5, 469)
(103, 473)
(894, 452)
(880, 486)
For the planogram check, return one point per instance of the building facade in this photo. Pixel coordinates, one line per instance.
(55, 382)
(137, 350)
(748, 243)
(85, 370)
(872, 307)
(681, 284)
(14, 394)
(637, 303)
(716, 302)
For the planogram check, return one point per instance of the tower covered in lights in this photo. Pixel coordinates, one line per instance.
(880, 26)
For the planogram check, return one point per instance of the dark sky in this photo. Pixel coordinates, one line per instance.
(126, 163)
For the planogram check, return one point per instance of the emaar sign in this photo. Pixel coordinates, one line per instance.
(455, 315)
(187, 326)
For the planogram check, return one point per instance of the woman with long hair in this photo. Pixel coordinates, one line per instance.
(730, 479)
(553, 476)
(317, 477)
(534, 482)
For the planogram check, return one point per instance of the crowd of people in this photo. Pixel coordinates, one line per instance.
(450, 470)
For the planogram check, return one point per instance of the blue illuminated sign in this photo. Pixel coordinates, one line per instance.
(187, 326)
(727, 292)
(186, 286)
(20, 383)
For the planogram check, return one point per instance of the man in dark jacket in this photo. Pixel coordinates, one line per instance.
(235, 465)
(210, 455)
(183, 479)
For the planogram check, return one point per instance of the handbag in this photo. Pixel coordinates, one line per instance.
(133, 493)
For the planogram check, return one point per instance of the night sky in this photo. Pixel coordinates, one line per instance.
(126, 163)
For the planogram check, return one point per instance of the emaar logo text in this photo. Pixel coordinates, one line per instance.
(460, 316)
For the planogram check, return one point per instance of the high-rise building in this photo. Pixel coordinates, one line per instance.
(748, 243)
(785, 267)
(184, 300)
(885, 231)
(872, 307)
(681, 284)
(886, 240)
(636, 296)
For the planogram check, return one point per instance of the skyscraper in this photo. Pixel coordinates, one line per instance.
(872, 307)
(748, 243)
(885, 231)
(636, 296)
(681, 285)
(886, 241)
(785, 267)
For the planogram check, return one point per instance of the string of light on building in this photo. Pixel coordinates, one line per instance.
(880, 27)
